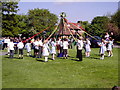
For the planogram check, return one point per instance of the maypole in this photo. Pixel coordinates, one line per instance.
(62, 15)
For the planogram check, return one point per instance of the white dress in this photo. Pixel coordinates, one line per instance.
(110, 45)
(87, 46)
(53, 49)
(102, 48)
(45, 50)
(28, 47)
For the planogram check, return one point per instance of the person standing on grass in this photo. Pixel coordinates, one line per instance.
(110, 44)
(58, 46)
(6, 41)
(61, 46)
(20, 46)
(10, 45)
(28, 48)
(40, 47)
(53, 49)
(16, 48)
(45, 51)
(87, 47)
(102, 49)
(36, 48)
(65, 48)
(79, 48)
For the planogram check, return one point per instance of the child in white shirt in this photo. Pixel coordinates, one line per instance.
(28, 47)
(20, 46)
(65, 48)
(11, 48)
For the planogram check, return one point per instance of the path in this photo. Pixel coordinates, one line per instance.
(2, 53)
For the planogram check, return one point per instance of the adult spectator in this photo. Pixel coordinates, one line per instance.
(79, 48)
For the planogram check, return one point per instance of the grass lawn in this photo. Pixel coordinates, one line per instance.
(61, 73)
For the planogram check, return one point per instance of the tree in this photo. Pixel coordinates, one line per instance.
(9, 9)
(94, 30)
(115, 24)
(40, 19)
(116, 18)
(100, 23)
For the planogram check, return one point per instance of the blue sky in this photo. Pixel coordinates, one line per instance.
(75, 11)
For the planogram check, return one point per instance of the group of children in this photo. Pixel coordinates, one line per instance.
(58, 46)
(106, 45)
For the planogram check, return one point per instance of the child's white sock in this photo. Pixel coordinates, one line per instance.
(46, 59)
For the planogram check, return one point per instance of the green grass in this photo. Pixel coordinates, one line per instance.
(61, 73)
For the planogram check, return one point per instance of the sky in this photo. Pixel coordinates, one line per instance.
(75, 11)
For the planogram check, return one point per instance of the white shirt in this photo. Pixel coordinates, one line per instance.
(20, 45)
(6, 40)
(80, 44)
(40, 42)
(11, 45)
(58, 42)
(36, 44)
(61, 44)
(65, 44)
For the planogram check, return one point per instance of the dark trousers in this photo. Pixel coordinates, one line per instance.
(4, 46)
(20, 51)
(79, 55)
(65, 52)
(40, 52)
(61, 49)
(11, 53)
(16, 49)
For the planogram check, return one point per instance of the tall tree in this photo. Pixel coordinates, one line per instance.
(9, 9)
(116, 18)
(40, 19)
(115, 24)
(101, 22)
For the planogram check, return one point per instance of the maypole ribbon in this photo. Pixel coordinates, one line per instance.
(85, 32)
(35, 34)
(77, 32)
(69, 31)
(52, 32)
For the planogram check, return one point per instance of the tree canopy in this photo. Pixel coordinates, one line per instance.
(40, 19)
(9, 10)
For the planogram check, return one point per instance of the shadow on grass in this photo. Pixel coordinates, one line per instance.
(40, 60)
(94, 58)
(12, 58)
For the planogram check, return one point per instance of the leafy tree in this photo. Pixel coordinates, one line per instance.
(9, 9)
(94, 30)
(116, 18)
(83, 24)
(115, 24)
(40, 19)
(100, 23)
(22, 24)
